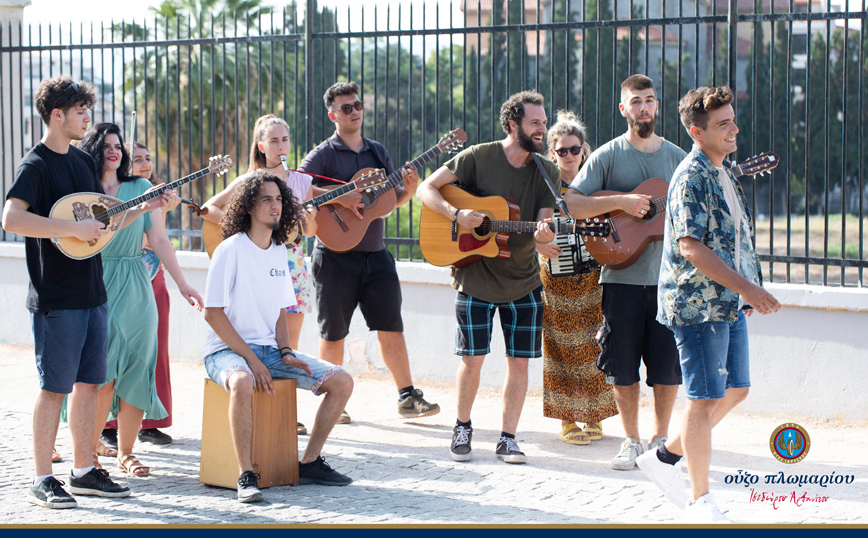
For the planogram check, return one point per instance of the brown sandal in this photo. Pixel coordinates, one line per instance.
(55, 456)
(106, 451)
(98, 466)
(132, 466)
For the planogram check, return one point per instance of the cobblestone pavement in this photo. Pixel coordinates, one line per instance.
(403, 473)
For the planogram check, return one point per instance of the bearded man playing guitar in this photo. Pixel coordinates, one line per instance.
(511, 286)
(364, 275)
(630, 332)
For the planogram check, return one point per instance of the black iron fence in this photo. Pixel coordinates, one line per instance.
(198, 81)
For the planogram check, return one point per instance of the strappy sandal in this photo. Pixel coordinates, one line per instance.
(594, 431)
(573, 434)
(106, 451)
(98, 466)
(55, 456)
(132, 466)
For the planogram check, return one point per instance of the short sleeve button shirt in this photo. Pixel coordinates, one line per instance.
(696, 208)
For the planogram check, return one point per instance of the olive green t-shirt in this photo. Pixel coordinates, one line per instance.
(484, 170)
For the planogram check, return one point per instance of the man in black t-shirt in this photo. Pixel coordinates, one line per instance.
(66, 298)
(364, 276)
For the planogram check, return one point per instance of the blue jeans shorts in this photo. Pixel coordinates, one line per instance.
(70, 347)
(220, 366)
(714, 357)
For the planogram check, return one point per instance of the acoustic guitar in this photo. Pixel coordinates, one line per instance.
(369, 178)
(444, 242)
(630, 235)
(340, 230)
(112, 212)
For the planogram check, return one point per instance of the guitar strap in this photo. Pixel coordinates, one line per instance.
(380, 163)
(558, 198)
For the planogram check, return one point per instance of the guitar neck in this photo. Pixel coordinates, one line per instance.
(331, 195)
(529, 226)
(395, 178)
(126, 206)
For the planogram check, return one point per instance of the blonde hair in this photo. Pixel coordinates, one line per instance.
(567, 124)
(257, 158)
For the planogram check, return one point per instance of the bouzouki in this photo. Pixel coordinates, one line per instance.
(444, 242)
(111, 211)
(364, 180)
(630, 235)
(340, 230)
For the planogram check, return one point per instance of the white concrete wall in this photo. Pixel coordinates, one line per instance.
(811, 359)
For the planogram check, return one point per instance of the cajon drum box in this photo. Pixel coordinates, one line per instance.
(275, 439)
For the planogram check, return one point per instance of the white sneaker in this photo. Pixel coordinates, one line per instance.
(666, 477)
(704, 510)
(656, 443)
(626, 458)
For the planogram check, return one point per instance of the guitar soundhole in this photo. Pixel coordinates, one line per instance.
(369, 200)
(652, 212)
(483, 229)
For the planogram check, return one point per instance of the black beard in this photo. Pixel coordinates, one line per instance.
(527, 143)
(643, 130)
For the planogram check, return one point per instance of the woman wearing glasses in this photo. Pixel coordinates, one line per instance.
(574, 390)
(268, 151)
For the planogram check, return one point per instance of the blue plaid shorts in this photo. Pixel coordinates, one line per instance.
(521, 321)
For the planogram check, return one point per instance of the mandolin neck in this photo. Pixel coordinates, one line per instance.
(126, 206)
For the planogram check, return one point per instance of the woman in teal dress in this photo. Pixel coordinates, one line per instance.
(130, 392)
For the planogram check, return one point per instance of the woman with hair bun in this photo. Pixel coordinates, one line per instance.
(574, 390)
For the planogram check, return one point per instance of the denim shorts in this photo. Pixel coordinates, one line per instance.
(70, 347)
(520, 320)
(714, 357)
(220, 366)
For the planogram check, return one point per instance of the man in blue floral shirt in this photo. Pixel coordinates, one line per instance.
(709, 279)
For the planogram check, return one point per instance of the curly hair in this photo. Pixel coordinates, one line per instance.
(339, 88)
(237, 216)
(513, 108)
(696, 104)
(94, 144)
(63, 93)
(257, 158)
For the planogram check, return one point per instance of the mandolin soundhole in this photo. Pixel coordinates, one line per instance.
(99, 213)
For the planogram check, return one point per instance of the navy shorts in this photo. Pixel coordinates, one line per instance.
(634, 336)
(521, 321)
(345, 280)
(70, 347)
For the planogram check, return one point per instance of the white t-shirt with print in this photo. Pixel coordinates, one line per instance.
(252, 285)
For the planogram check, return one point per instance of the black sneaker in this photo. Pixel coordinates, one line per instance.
(96, 483)
(248, 488)
(415, 406)
(507, 451)
(154, 436)
(320, 472)
(109, 438)
(460, 449)
(50, 494)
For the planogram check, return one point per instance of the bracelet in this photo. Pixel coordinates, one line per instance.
(285, 347)
(455, 216)
(285, 353)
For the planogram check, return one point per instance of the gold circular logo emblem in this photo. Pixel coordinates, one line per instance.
(790, 443)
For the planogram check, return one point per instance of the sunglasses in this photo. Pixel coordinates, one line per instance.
(575, 150)
(65, 94)
(348, 109)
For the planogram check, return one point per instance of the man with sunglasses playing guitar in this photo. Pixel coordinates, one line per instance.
(630, 332)
(364, 276)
